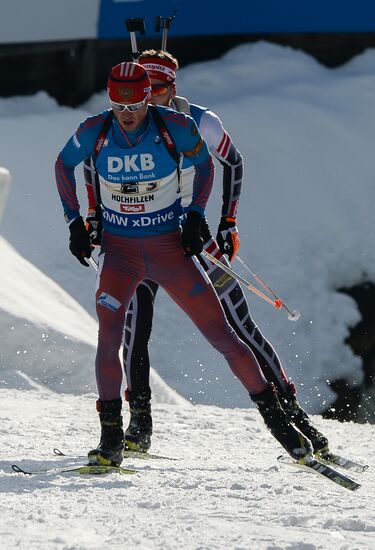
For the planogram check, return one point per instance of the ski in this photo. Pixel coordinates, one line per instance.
(127, 454)
(315, 465)
(85, 469)
(332, 458)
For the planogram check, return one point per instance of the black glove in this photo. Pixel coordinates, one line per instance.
(192, 241)
(227, 237)
(94, 225)
(79, 242)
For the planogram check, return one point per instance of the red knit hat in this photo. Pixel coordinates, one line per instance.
(159, 69)
(128, 83)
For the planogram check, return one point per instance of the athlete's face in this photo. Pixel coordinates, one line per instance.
(130, 120)
(162, 93)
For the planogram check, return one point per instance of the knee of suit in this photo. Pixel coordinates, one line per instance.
(226, 341)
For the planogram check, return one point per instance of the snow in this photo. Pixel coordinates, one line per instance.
(226, 489)
(305, 225)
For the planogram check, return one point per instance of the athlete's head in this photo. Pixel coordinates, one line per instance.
(161, 67)
(129, 89)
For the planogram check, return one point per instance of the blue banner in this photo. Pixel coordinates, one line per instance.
(209, 17)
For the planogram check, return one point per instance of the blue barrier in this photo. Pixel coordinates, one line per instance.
(209, 17)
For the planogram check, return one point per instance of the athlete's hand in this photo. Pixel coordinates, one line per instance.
(228, 238)
(94, 225)
(192, 241)
(79, 242)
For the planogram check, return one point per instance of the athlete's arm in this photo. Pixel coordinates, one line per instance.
(76, 150)
(90, 175)
(93, 219)
(220, 145)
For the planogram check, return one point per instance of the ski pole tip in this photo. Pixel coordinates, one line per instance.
(294, 316)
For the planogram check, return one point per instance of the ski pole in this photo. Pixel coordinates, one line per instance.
(275, 303)
(93, 263)
(292, 315)
(133, 25)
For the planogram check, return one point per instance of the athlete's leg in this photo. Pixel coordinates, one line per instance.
(121, 268)
(237, 311)
(137, 334)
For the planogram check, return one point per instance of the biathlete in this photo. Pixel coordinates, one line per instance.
(161, 67)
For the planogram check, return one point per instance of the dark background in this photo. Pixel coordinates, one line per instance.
(72, 71)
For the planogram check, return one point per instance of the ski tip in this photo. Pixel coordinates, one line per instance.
(19, 470)
(285, 459)
(58, 452)
(332, 458)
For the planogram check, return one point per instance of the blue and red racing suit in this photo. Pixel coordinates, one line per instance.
(141, 204)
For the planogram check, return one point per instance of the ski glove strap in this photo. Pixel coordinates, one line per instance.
(94, 225)
(79, 242)
(192, 241)
(228, 238)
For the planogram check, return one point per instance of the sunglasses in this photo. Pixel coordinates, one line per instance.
(159, 89)
(131, 107)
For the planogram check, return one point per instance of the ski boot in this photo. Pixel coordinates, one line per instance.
(301, 420)
(293, 441)
(138, 433)
(111, 446)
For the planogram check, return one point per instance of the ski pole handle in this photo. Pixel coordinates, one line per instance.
(164, 23)
(133, 25)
